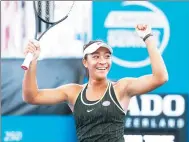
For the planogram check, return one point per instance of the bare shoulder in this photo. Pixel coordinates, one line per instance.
(117, 89)
(70, 86)
(121, 83)
(72, 90)
(120, 86)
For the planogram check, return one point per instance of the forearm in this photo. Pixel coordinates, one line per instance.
(30, 87)
(158, 67)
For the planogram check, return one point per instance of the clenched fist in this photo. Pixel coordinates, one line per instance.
(33, 47)
(143, 31)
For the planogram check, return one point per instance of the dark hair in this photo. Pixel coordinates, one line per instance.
(84, 47)
(89, 43)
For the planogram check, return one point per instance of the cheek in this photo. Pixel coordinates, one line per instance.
(92, 65)
(109, 63)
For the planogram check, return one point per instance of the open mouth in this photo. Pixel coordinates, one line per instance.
(102, 68)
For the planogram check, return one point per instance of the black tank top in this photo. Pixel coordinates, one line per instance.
(99, 121)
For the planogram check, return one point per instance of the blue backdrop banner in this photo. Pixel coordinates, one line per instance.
(114, 22)
(38, 129)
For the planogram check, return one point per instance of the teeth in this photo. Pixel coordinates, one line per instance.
(101, 68)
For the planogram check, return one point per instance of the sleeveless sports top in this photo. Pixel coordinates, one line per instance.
(101, 120)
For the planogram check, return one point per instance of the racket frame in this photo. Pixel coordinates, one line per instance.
(29, 56)
(51, 23)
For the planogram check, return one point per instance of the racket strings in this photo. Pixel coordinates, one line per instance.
(43, 9)
(53, 11)
(47, 16)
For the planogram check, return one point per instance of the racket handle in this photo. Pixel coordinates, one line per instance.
(25, 65)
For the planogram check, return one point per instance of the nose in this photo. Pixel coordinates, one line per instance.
(102, 60)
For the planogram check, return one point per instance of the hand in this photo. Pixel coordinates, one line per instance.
(143, 30)
(34, 48)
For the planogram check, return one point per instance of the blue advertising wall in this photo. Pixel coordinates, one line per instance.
(114, 22)
(39, 128)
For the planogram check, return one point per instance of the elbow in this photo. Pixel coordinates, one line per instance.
(29, 101)
(27, 98)
(163, 79)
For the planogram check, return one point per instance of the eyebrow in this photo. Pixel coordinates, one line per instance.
(96, 52)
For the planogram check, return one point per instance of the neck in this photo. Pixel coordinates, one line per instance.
(97, 83)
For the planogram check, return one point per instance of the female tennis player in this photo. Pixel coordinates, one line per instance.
(99, 105)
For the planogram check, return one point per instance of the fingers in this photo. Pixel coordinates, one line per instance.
(29, 49)
(141, 27)
(142, 30)
(35, 43)
(32, 47)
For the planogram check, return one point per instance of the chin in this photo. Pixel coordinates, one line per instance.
(101, 77)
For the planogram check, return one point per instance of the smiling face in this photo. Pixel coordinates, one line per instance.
(98, 63)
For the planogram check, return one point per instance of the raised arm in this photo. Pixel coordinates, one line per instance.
(147, 83)
(30, 91)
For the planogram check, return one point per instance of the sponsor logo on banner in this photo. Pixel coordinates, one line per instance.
(151, 136)
(154, 116)
(13, 136)
(120, 25)
(156, 111)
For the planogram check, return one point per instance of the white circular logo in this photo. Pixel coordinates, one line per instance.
(118, 37)
(106, 103)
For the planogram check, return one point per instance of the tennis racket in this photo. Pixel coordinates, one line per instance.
(49, 12)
